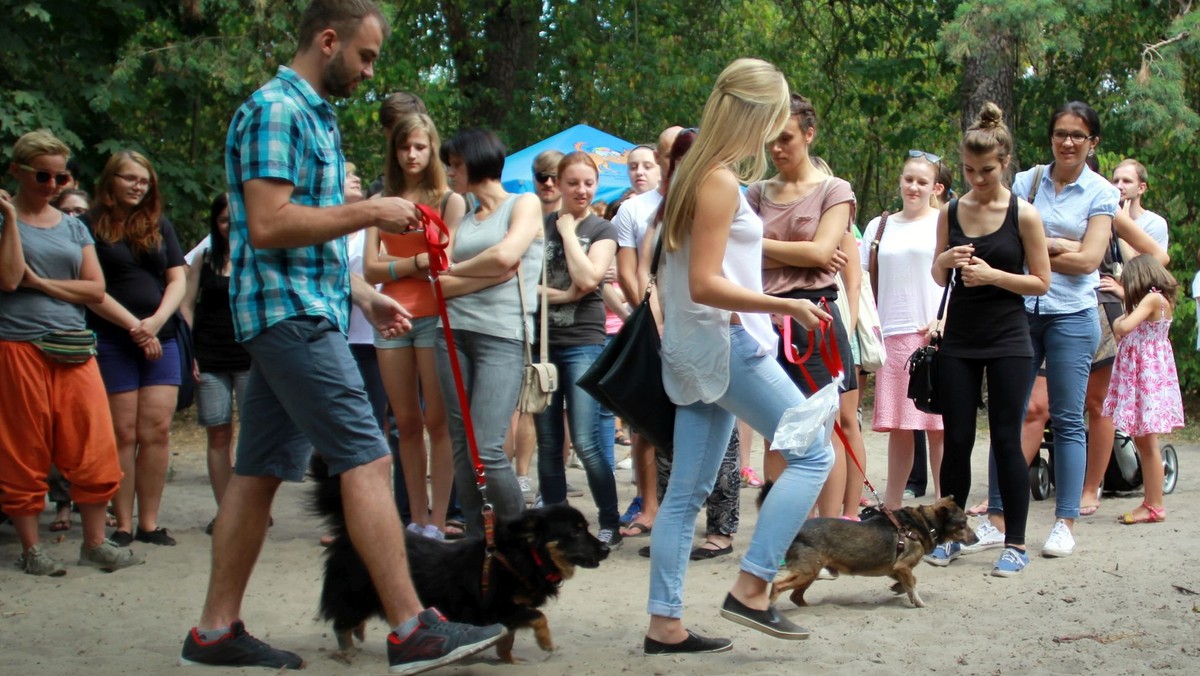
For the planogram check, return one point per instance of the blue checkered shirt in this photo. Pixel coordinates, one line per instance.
(286, 131)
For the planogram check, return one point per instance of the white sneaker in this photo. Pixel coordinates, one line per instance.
(527, 491)
(574, 463)
(627, 463)
(415, 528)
(1061, 542)
(989, 536)
(433, 532)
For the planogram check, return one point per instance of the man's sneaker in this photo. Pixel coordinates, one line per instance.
(989, 536)
(527, 492)
(943, 554)
(611, 537)
(1010, 563)
(235, 649)
(627, 463)
(107, 556)
(35, 561)
(437, 641)
(635, 508)
(1061, 542)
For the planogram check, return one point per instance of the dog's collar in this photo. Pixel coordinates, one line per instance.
(549, 573)
(545, 568)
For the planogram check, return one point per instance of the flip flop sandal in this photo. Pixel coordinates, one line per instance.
(1089, 510)
(636, 530)
(1153, 515)
(978, 510)
(59, 525)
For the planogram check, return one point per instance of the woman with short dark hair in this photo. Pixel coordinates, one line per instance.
(500, 238)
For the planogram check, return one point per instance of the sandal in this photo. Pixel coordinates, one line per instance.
(636, 529)
(1153, 515)
(978, 510)
(59, 525)
(705, 551)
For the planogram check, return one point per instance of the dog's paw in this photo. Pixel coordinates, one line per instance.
(916, 600)
(344, 656)
(360, 632)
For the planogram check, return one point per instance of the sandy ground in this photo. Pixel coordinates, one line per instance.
(1111, 608)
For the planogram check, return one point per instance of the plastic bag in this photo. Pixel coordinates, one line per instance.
(813, 419)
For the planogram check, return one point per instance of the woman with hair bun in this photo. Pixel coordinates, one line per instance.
(986, 241)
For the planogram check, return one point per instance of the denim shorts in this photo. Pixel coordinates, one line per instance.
(124, 366)
(423, 334)
(304, 392)
(215, 395)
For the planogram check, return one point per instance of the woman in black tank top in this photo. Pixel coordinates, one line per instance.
(987, 240)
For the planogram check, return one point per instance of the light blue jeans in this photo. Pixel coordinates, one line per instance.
(1067, 342)
(759, 393)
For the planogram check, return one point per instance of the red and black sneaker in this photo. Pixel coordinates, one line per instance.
(235, 649)
(437, 641)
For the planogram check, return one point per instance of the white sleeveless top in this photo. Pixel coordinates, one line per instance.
(695, 348)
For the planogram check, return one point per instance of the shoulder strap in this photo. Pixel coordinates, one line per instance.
(1038, 172)
(873, 255)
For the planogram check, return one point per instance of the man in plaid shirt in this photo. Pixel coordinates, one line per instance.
(291, 293)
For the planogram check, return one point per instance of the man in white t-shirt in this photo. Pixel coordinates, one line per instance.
(1130, 178)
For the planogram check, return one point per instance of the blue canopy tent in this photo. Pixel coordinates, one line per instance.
(609, 152)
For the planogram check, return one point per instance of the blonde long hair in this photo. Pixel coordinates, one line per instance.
(433, 181)
(747, 107)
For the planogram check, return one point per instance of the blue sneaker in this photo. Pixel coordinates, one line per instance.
(944, 554)
(630, 514)
(1010, 563)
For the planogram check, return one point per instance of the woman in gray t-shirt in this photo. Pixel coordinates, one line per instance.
(48, 378)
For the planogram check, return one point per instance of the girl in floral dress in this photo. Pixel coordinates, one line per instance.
(1143, 394)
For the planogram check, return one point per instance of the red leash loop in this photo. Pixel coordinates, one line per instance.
(437, 239)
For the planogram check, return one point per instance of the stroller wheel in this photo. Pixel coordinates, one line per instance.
(1039, 478)
(1170, 468)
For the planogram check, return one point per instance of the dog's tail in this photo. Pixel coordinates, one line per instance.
(326, 499)
(762, 493)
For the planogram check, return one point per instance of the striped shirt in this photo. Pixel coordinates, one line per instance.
(286, 131)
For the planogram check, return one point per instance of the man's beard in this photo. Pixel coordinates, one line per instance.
(339, 80)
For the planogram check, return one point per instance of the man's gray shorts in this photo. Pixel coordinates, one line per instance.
(304, 392)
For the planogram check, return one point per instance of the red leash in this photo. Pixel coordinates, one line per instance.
(437, 238)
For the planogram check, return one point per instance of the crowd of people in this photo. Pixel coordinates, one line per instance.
(309, 307)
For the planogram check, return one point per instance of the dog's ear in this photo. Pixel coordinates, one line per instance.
(528, 527)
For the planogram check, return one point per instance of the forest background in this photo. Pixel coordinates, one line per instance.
(164, 77)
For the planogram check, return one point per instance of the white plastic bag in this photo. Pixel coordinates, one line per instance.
(813, 419)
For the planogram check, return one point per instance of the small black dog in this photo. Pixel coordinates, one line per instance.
(871, 547)
(534, 554)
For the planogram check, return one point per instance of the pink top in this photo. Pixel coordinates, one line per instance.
(797, 221)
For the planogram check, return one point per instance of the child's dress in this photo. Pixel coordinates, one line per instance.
(1143, 393)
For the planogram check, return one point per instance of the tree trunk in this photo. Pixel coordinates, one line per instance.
(988, 75)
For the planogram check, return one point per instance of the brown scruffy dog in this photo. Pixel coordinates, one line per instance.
(871, 547)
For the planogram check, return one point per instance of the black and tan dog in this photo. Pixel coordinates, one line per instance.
(534, 554)
(872, 547)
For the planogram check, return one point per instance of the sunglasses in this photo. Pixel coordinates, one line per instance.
(45, 176)
(929, 157)
(542, 178)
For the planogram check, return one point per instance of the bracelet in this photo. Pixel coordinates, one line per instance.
(392, 269)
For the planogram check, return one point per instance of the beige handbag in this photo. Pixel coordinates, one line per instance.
(539, 381)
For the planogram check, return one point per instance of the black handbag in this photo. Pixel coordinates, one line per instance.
(187, 355)
(627, 375)
(923, 365)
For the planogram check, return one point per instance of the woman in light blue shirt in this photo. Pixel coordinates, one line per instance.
(1077, 206)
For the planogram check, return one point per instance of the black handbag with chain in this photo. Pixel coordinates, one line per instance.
(627, 375)
(923, 365)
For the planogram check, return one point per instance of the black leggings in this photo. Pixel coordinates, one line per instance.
(1009, 380)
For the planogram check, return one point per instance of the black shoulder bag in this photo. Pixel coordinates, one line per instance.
(627, 375)
(923, 364)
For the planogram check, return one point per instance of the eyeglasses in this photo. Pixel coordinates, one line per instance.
(929, 157)
(1077, 137)
(542, 178)
(74, 211)
(42, 176)
(136, 180)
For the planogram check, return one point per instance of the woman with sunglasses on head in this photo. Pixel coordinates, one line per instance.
(908, 306)
(408, 363)
(807, 216)
(1077, 206)
(222, 364)
(48, 272)
(135, 328)
(499, 239)
(718, 354)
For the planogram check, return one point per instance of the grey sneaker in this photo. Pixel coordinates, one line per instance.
(573, 492)
(35, 561)
(527, 492)
(107, 556)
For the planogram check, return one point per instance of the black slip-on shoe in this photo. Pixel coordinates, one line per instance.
(767, 621)
(694, 643)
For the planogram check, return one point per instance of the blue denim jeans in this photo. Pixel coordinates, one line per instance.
(759, 392)
(583, 413)
(1067, 342)
(491, 371)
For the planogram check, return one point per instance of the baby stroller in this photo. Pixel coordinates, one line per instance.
(1123, 474)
